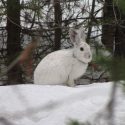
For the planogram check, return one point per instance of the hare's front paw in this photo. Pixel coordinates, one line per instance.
(71, 83)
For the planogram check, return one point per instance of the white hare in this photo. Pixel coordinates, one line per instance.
(67, 65)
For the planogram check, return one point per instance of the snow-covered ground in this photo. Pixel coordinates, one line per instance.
(57, 105)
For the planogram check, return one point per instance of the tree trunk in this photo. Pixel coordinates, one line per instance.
(120, 40)
(91, 20)
(108, 27)
(113, 34)
(13, 40)
(58, 21)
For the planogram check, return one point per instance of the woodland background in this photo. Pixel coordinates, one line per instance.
(30, 29)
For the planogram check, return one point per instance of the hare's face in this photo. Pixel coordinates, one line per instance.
(82, 52)
(81, 49)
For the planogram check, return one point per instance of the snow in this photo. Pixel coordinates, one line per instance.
(57, 105)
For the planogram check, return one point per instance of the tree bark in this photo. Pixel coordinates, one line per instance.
(91, 20)
(108, 27)
(13, 40)
(58, 21)
(113, 29)
(120, 40)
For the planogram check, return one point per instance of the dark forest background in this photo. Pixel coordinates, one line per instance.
(30, 29)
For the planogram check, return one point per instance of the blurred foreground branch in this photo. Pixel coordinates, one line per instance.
(25, 58)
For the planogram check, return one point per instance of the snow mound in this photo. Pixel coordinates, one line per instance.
(55, 105)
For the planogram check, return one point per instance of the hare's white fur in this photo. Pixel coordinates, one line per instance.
(65, 66)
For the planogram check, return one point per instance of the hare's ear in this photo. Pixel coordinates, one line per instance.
(74, 36)
(82, 34)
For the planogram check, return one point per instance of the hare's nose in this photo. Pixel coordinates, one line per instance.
(87, 55)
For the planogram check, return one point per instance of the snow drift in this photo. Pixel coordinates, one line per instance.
(56, 105)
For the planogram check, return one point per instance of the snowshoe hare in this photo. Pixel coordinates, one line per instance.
(67, 65)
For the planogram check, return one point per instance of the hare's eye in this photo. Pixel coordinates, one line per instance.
(81, 48)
